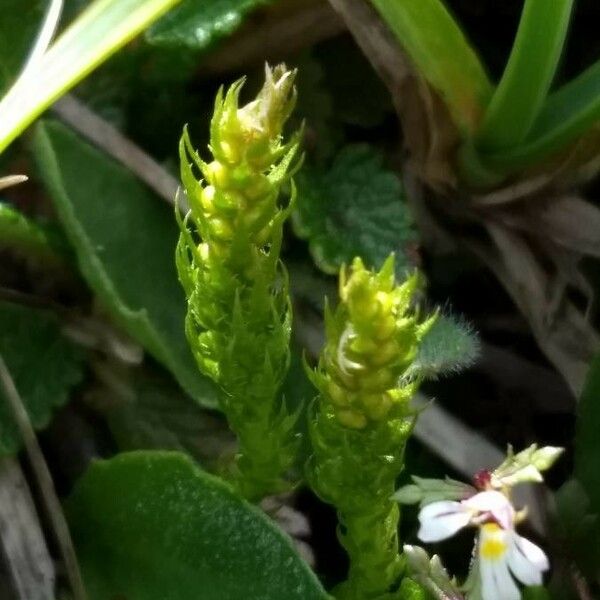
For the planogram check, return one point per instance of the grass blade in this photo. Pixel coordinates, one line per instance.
(528, 74)
(441, 52)
(567, 114)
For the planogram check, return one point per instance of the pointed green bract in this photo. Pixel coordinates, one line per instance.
(239, 316)
(361, 419)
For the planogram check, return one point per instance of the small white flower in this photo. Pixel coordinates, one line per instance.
(441, 520)
(504, 556)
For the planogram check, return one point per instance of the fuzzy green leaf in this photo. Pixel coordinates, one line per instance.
(448, 347)
(124, 239)
(44, 365)
(152, 526)
(198, 24)
(356, 208)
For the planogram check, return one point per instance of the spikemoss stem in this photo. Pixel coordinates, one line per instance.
(239, 316)
(361, 420)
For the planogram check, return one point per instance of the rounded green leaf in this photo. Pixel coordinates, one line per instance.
(44, 364)
(356, 208)
(152, 526)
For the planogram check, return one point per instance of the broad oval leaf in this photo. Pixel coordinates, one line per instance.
(152, 526)
(44, 365)
(124, 238)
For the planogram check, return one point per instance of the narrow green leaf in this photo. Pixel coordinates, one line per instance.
(356, 208)
(528, 74)
(198, 24)
(567, 114)
(435, 43)
(44, 365)
(152, 526)
(124, 238)
(104, 27)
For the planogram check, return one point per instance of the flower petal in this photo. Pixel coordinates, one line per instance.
(496, 503)
(526, 560)
(441, 520)
(496, 581)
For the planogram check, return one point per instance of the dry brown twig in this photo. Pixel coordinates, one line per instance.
(30, 568)
(44, 481)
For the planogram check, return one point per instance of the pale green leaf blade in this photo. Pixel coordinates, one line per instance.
(43, 363)
(442, 54)
(356, 208)
(528, 75)
(198, 24)
(152, 526)
(124, 238)
(567, 114)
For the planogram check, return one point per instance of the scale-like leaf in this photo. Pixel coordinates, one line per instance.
(356, 208)
(197, 24)
(44, 365)
(124, 238)
(152, 526)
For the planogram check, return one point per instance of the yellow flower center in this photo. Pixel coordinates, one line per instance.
(493, 546)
